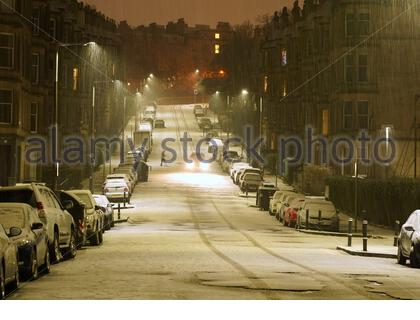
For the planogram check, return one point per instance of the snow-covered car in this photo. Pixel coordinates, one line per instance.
(236, 167)
(94, 217)
(121, 176)
(328, 220)
(117, 191)
(251, 182)
(9, 270)
(291, 211)
(241, 174)
(32, 242)
(58, 222)
(409, 241)
(286, 199)
(107, 209)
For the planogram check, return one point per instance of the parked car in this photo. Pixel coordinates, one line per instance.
(79, 215)
(9, 270)
(204, 123)
(251, 182)
(236, 166)
(121, 176)
(291, 211)
(241, 174)
(198, 111)
(53, 214)
(280, 207)
(409, 241)
(107, 209)
(94, 217)
(160, 124)
(329, 215)
(32, 242)
(117, 191)
(277, 197)
(128, 169)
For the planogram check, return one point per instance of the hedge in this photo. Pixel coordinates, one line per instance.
(385, 201)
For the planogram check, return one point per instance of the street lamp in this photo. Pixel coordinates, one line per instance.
(92, 132)
(57, 62)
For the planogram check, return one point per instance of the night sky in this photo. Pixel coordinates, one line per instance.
(138, 12)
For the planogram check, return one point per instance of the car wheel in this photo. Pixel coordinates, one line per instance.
(101, 237)
(2, 283)
(112, 222)
(108, 224)
(16, 282)
(400, 257)
(414, 262)
(71, 250)
(94, 240)
(55, 252)
(33, 274)
(46, 268)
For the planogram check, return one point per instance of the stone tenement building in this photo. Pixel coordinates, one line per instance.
(341, 66)
(30, 34)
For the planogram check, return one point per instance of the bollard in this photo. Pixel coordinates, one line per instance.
(365, 235)
(319, 219)
(349, 233)
(307, 219)
(397, 233)
(125, 199)
(119, 211)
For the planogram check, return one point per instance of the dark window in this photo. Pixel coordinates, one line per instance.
(35, 21)
(53, 28)
(348, 115)
(364, 24)
(19, 196)
(35, 68)
(6, 103)
(7, 50)
(349, 68)
(363, 68)
(34, 117)
(350, 25)
(363, 114)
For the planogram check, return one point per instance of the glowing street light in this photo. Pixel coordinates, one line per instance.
(245, 92)
(57, 63)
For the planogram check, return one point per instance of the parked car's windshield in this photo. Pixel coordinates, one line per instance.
(86, 199)
(18, 196)
(12, 217)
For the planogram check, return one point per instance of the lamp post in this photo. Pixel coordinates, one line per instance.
(416, 99)
(92, 131)
(56, 102)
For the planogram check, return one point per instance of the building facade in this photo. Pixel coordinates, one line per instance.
(31, 34)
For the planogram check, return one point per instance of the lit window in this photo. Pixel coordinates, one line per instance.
(284, 88)
(283, 57)
(6, 103)
(75, 78)
(34, 117)
(217, 48)
(265, 84)
(217, 36)
(35, 68)
(7, 50)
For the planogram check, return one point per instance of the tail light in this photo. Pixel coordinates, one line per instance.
(81, 225)
(41, 210)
